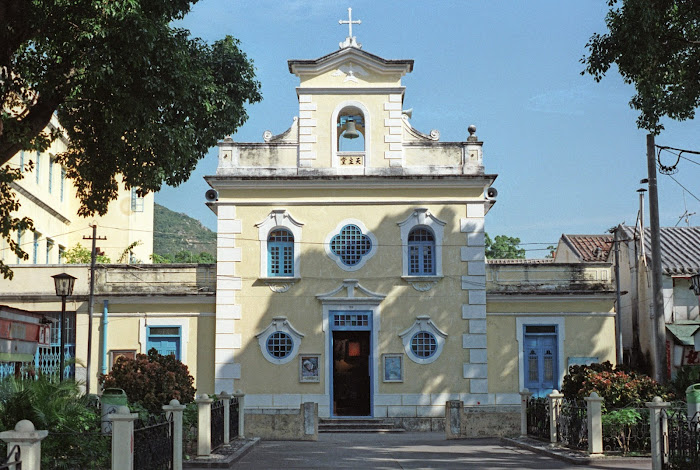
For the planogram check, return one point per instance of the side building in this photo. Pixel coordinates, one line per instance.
(48, 198)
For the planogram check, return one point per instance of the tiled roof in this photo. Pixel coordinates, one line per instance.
(520, 261)
(589, 248)
(680, 248)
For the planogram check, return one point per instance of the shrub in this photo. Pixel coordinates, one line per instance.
(74, 441)
(151, 380)
(686, 376)
(618, 387)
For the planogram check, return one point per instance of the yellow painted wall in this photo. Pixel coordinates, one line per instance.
(381, 274)
(584, 336)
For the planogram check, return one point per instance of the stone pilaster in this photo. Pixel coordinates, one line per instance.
(393, 134)
(474, 311)
(307, 131)
(227, 310)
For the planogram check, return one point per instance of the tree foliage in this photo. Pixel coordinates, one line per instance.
(656, 46)
(138, 98)
(503, 247)
(617, 386)
(8, 223)
(73, 422)
(81, 255)
(151, 380)
(184, 256)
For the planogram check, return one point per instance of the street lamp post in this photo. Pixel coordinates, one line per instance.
(64, 287)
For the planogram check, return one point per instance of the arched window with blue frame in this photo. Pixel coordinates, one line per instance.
(421, 251)
(280, 253)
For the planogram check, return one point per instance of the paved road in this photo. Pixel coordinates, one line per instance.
(404, 451)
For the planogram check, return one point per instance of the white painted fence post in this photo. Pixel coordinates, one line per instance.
(227, 416)
(657, 439)
(203, 425)
(555, 399)
(29, 441)
(123, 438)
(525, 395)
(174, 411)
(595, 423)
(241, 415)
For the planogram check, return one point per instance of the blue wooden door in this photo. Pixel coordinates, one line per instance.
(540, 363)
(166, 340)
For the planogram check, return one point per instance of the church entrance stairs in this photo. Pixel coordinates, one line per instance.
(359, 425)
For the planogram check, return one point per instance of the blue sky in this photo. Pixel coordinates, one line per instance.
(567, 150)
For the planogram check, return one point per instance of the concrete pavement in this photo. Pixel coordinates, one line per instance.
(407, 451)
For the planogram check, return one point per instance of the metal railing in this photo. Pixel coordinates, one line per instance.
(627, 430)
(153, 443)
(681, 438)
(572, 425)
(217, 424)
(234, 407)
(13, 460)
(538, 417)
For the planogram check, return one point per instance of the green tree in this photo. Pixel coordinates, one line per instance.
(81, 255)
(138, 98)
(656, 46)
(503, 247)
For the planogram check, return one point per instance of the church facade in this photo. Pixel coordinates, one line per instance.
(350, 254)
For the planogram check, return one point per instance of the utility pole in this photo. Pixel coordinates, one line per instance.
(93, 258)
(658, 319)
(618, 302)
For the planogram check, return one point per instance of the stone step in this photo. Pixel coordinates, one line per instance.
(357, 425)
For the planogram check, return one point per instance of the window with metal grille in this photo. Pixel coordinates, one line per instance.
(345, 319)
(280, 251)
(423, 344)
(350, 245)
(279, 344)
(421, 251)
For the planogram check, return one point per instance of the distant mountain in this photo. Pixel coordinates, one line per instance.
(175, 232)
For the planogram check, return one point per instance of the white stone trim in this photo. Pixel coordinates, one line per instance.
(279, 218)
(559, 322)
(336, 231)
(370, 301)
(422, 217)
(423, 323)
(280, 324)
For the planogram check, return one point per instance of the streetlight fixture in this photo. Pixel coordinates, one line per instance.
(64, 287)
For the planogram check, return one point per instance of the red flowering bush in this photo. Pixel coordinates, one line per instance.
(151, 380)
(619, 387)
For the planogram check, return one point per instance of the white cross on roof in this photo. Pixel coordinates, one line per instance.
(350, 41)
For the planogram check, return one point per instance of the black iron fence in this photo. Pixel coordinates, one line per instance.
(217, 424)
(13, 460)
(538, 417)
(233, 418)
(627, 430)
(76, 450)
(681, 438)
(153, 443)
(572, 425)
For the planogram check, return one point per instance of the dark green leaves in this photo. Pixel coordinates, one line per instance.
(656, 46)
